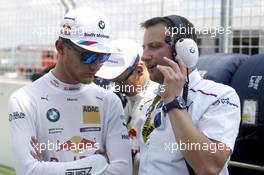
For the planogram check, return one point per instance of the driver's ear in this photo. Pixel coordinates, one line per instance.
(60, 46)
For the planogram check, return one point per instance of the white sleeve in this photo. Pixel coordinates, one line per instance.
(221, 121)
(22, 125)
(118, 147)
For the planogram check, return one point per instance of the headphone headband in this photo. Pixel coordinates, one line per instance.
(174, 20)
(175, 23)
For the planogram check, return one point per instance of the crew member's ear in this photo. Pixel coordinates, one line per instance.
(140, 69)
(59, 46)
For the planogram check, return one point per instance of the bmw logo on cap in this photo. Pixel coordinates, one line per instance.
(101, 24)
(53, 115)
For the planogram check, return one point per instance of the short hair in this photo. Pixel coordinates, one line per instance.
(184, 22)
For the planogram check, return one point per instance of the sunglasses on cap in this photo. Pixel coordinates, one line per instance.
(87, 57)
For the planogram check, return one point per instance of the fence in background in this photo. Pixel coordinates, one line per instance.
(28, 30)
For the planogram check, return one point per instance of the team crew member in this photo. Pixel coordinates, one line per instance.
(70, 119)
(202, 133)
(130, 76)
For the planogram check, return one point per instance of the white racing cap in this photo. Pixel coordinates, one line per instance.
(87, 28)
(131, 53)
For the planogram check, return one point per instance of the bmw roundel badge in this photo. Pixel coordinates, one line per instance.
(101, 24)
(53, 115)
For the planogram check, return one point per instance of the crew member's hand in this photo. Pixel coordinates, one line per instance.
(175, 76)
(37, 154)
(103, 153)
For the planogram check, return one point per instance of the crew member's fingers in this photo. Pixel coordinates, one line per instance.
(182, 66)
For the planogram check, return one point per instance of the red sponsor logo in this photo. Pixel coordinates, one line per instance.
(132, 133)
(77, 145)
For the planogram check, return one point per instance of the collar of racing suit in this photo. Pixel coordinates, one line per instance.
(64, 87)
(194, 78)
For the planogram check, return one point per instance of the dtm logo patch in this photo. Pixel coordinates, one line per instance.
(53, 115)
(91, 115)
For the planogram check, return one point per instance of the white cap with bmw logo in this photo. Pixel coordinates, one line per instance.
(87, 28)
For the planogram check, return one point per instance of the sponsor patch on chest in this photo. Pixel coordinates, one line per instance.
(91, 114)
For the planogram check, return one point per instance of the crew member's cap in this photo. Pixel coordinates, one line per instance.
(131, 53)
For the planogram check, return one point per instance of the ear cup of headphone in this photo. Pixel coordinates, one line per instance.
(187, 49)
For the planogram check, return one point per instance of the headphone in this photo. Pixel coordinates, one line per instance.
(186, 48)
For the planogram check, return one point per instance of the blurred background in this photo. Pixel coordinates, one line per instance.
(28, 30)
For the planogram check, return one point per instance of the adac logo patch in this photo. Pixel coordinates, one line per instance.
(53, 115)
(101, 24)
(91, 114)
